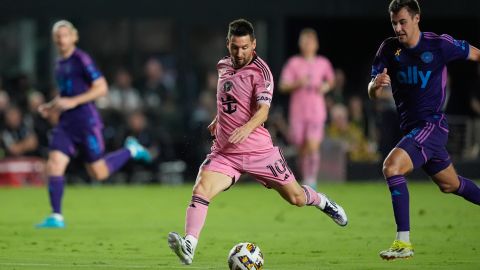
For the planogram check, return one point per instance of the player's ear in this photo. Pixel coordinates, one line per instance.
(254, 43)
(416, 18)
(228, 42)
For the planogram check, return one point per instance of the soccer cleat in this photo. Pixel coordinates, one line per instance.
(335, 212)
(182, 247)
(137, 150)
(398, 250)
(54, 221)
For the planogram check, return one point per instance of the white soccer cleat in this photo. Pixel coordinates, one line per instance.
(335, 212)
(182, 247)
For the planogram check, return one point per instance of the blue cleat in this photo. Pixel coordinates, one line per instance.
(137, 150)
(54, 221)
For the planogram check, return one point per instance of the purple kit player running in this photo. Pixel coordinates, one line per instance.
(242, 144)
(80, 127)
(413, 64)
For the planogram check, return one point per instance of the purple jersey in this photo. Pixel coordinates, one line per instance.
(74, 76)
(418, 75)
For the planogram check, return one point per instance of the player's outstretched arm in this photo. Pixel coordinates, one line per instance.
(98, 89)
(377, 84)
(241, 133)
(474, 54)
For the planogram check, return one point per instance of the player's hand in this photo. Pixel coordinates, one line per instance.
(240, 134)
(64, 103)
(45, 109)
(382, 79)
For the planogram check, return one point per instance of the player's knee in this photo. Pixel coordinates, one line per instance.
(447, 187)
(99, 175)
(390, 169)
(54, 167)
(201, 189)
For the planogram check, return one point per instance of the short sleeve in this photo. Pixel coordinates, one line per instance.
(453, 49)
(379, 62)
(263, 87)
(91, 71)
(329, 72)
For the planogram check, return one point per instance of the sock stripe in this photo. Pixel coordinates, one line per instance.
(396, 181)
(200, 200)
(307, 194)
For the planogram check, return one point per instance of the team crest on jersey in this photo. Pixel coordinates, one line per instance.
(227, 86)
(397, 54)
(268, 85)
(427, 57)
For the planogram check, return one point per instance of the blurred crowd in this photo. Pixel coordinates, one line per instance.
(150, 109)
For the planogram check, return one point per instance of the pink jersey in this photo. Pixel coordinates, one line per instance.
(307, 103)
(239, 91)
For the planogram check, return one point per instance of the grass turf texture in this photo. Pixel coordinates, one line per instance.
(126, 227)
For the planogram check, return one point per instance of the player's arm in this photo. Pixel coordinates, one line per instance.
(378, 83)
(213, 126)
(260, 116)
(474, 54)
(290, 87)
(99, 88)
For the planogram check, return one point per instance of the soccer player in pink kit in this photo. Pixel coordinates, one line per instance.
(243, 145)
(308, 77)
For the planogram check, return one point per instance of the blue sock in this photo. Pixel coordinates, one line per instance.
(55, 191)
(468, 190)
(116, 160)
(400, 201)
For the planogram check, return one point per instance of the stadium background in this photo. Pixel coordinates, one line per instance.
(125, 226)
(183, 40)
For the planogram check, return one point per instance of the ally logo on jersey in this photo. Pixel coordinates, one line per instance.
(412, 74)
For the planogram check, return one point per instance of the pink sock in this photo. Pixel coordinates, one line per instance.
(196, 215)
(311, 195)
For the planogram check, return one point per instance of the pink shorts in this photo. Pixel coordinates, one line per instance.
(302, 130)
(269, 167)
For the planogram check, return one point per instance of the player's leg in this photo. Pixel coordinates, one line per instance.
(397, 164)
(100, 167)
(314, 136)
(306, 196)
(271, 169)
(450, 182)
(214, 177)
(61, 148)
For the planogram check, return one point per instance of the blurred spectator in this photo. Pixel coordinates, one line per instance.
(337, 94)
(40, 125)
(122, 96)
(154, 87)
(387, 122)
(358, 116)
(4, 102)
(17, 137)
(20, 90)
(355, 143)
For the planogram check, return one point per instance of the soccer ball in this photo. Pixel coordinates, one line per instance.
(245, 256)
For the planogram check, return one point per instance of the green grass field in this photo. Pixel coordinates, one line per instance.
(123, 227)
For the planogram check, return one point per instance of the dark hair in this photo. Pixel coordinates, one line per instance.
(240, 28)
(412, 6)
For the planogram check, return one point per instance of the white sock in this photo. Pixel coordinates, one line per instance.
(57, 216)
(323, 200)
(193, 241)
(404, 236)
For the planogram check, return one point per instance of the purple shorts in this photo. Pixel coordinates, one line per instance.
(87, 141)
(426, 146)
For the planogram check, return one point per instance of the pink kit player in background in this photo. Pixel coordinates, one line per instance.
(308, 77)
